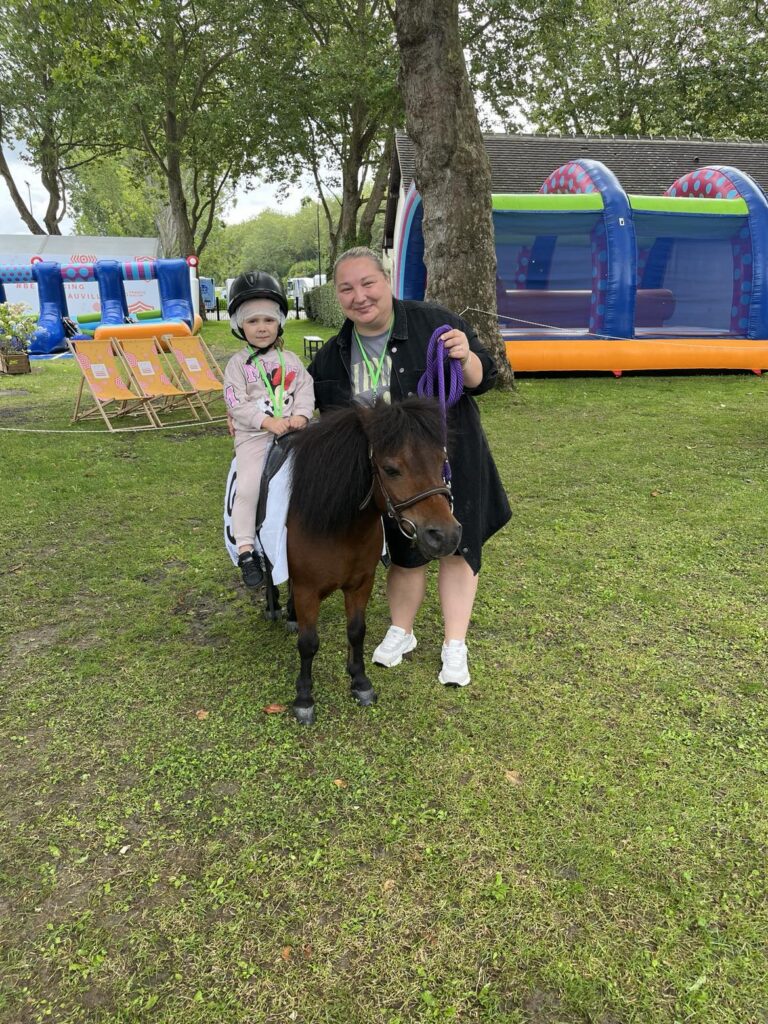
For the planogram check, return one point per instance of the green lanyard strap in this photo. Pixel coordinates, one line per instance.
(375, 372)
(276, 396)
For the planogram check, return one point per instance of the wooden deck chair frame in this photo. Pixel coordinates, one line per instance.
(113, 393)
(206, 382)
(162, 386)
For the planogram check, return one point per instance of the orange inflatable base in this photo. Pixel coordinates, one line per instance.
(543, 355)
(147, 329)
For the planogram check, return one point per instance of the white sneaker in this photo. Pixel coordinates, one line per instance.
(392, 648)
(454, 671)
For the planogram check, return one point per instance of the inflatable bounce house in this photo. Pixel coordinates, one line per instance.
(176, 315)
(590, 278)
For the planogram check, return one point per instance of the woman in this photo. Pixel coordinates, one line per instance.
(380, 352)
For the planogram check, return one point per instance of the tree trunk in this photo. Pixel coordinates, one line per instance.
(452, 171)
(49, 175)
(18, 202)
(174, 138)
(346, 232)
(345, 235)
(177, 199)
(373, 203)
(166, 231)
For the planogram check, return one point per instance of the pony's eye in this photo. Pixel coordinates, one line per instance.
(391, 471)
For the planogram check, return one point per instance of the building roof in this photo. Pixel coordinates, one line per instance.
(644, 166)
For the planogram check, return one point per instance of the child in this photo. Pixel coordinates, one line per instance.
(267, 392)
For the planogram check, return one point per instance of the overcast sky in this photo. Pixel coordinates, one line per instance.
(28, 183)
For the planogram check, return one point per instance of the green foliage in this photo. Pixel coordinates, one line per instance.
(47, 102)
(116, 196)
(338, 104)
(271, 241)
(170, 72)
(304, 268)
(322, 305)
(624, 68)
(222, 256)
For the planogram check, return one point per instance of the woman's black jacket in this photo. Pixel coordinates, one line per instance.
(480, 503)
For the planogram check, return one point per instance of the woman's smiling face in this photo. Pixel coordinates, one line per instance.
(364, 294)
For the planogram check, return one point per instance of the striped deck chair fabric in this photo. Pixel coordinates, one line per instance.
(199, 368)
(106, 382)
(153, 376)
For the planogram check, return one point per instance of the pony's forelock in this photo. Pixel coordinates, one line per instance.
(414, 421)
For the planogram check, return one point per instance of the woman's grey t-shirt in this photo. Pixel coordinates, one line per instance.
(362, 385)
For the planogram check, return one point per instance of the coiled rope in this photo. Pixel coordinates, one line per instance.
(432, 384)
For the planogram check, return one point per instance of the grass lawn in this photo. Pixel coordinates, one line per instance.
(579, 837)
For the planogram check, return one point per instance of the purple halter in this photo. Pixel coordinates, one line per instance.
(432, 383)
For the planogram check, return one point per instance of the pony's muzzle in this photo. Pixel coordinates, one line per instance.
(438, 539)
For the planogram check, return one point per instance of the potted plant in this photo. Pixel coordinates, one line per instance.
(17, 326)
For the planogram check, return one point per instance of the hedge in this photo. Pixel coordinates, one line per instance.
(321, 305)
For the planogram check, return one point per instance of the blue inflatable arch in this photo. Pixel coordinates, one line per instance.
(614, 257)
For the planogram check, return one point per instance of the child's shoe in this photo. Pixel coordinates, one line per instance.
(250, 567)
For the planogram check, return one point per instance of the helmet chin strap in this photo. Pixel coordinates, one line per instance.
(258, 351)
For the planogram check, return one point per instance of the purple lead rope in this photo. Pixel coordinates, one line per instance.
(432, 383)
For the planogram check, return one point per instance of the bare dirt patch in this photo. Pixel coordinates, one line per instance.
(17, 413)
(35, 641)
(201, 613)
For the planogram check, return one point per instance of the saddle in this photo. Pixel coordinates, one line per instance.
(277, 456)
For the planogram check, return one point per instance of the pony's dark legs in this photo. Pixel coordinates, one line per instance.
(290, 611)
(307, 606)
(272, 610)
(355, 602)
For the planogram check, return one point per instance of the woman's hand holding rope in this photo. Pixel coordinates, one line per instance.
(456, 346)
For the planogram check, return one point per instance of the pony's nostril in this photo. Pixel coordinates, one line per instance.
(435, 537)
(437, 540)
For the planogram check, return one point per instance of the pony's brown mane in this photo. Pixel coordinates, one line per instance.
(331, 468)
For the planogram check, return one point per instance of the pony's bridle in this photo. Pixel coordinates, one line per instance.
(431, 384)
(406, 526)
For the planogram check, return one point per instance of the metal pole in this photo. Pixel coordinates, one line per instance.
(29, 192)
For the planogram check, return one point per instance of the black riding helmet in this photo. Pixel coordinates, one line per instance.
(255, 284)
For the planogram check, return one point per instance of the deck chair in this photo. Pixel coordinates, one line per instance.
(199, 369)
(104, 378)
(153, 375)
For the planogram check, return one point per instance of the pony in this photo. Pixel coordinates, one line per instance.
(353, 466)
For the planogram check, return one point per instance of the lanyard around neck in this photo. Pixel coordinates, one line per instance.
(375, 372)
(276, 395)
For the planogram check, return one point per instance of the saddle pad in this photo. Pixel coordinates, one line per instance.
(272, 535)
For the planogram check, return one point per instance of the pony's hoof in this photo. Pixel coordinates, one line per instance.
(365, 698)
(272, 614)
(304, 716)
(291, 626)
